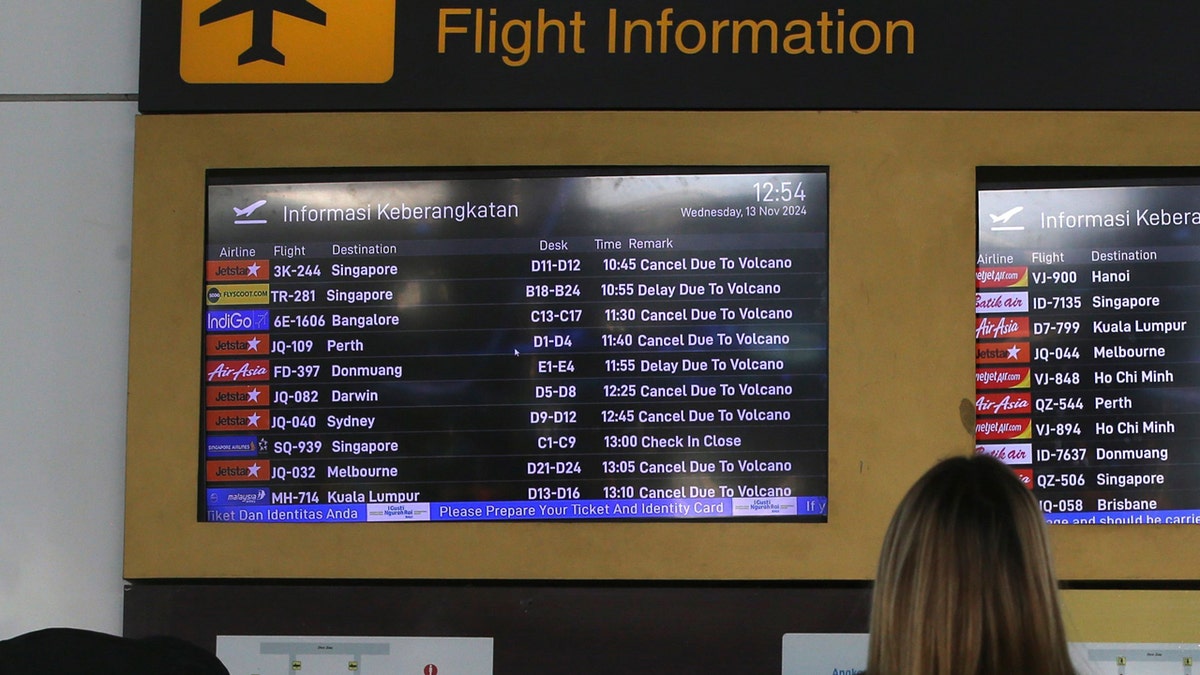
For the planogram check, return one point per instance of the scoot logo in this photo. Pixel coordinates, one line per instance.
(287, 41)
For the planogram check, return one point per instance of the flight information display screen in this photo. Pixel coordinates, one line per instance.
(1088, 340)
(515, 345)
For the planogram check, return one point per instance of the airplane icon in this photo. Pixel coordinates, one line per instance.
(242, 213)
(1007, 215)
(263, 18)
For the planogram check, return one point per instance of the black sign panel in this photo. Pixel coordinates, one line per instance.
(264, 55)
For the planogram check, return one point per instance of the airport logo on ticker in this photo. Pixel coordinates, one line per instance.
(241, 320)
(237, 270)
(287, 41)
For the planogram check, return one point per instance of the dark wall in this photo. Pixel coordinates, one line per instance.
(577, 629)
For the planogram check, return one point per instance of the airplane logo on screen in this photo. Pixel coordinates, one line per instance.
(242, 215)
(1000, 222)
(262, 46)
(287, 41)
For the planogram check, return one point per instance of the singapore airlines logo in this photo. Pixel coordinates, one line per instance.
(287, 41)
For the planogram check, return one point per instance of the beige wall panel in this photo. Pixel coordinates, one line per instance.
(901, 312)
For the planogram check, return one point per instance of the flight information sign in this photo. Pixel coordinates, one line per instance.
(522, 345)
(1087, 344)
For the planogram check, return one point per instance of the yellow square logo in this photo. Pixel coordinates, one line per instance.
(287, 41)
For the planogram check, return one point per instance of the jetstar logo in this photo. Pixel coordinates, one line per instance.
(237, 270)
(1002, 378)
(1001, 277)
(287, 41)
(230, 397)
(238, 470)
(237, 420)
(1001, 327)
(237, 345)
(1003, 429)
(1002, 352)
(1016, 403)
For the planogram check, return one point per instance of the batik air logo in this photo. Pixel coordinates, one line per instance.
(1002, 303)
(1009, 453)
(1001, 277)
(287, 41)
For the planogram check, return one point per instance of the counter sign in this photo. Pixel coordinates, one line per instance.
(287, 41)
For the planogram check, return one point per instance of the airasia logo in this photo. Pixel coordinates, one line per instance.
(247, 370)
(999, 327)
(1003, 404)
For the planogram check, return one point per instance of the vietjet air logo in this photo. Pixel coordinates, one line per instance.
(287, 41)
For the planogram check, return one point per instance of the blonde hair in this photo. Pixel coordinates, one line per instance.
(965, 584)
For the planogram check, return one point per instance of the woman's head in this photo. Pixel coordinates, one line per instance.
(965, 583)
